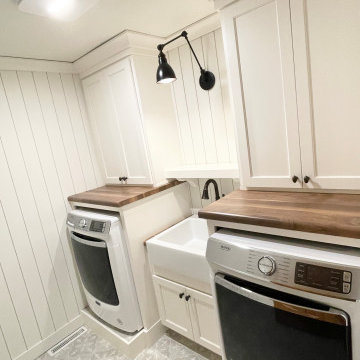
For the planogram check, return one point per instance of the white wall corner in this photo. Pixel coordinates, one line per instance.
(22, 64)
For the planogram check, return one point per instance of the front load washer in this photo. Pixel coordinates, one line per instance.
(281, 298)
(102, 260)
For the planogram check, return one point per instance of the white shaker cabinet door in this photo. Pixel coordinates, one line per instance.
(104, 128)
(204, 320)
(327, 56)
(127, 111)
(258, 44)
(173, 307)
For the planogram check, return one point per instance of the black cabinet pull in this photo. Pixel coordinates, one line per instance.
(125, 178)
(294, 179)
(181, 295)
(306, 179)
(187, 297)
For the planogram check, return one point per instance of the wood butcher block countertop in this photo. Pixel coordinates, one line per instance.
(119, 195)
(330, 214)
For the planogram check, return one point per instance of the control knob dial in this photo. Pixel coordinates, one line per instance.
(82, 223)
(267, 265)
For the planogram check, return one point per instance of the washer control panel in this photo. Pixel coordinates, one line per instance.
(323, 278)
(267, 265)
(86, 224)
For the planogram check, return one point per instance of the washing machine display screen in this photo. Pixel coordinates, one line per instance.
(323, 278)
(97, 226)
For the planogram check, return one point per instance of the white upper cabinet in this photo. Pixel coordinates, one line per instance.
(258, 43)
(327, 57)
(295, 81)
(117, 125)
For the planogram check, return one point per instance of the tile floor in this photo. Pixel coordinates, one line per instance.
(170, 346)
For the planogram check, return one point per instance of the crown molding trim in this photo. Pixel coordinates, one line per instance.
(23, 64)
(125, 44)
(133, 43)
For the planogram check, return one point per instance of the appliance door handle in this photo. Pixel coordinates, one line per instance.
(87, 242)
(333, 316)
(70, 223)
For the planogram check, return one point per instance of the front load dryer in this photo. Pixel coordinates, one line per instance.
(103, 262)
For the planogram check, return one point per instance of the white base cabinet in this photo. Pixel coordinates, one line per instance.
(189, 312)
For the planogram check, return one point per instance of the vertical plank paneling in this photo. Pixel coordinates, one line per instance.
(227, 186)
(81, 100)
(179, 98)
(78, 129)
(8, 256)
(4, 350)
(46, 154)
(207, 127)
(19, 231)
(15, 344)
(216, 100)
(47, 191)
(195, 193)
(205, 118)
(192, 104)
(28, 207)
(54, 134)
(224, 83)
(68, 136)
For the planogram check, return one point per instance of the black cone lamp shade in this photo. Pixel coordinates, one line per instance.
(164, 74)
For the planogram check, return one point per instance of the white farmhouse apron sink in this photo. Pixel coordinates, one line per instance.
(178, 254)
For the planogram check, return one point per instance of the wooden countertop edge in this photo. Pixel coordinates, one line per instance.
(150, 192)
(267, 222)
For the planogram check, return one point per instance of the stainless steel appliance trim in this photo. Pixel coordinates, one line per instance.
(87, 242)
(334, 316)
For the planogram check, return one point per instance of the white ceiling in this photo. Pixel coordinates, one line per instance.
(32, 36)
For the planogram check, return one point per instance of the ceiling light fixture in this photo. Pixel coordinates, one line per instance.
(60, 8)
(65, 10)
(165, 74)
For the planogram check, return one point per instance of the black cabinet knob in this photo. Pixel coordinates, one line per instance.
(125, 178)
(187, 297)
(294, 179)
(181, 295)
(306, 179)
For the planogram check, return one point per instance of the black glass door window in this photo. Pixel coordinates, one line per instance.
(253, 330)
(93, 262)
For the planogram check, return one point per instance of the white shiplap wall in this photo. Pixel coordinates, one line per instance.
(46, 154)
(205, 121)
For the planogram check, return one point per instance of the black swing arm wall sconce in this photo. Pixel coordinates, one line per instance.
(165, 74)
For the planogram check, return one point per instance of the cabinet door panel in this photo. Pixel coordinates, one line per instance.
(174, 311)
(327, 56)
(204, 320)
(103, 125)
(126, 108)
(257, 36)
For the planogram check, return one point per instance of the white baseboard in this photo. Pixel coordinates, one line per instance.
(38, 349)
(130, 346)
